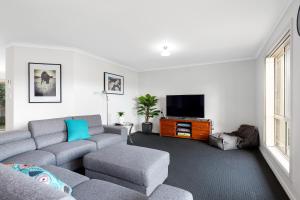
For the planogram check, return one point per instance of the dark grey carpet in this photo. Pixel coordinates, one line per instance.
(212, 174)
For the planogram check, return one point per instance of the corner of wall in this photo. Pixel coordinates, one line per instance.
(9, 96)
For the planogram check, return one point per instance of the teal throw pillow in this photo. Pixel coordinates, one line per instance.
(77, 130)
(41, 175)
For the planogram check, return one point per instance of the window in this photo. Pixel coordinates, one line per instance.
(278, 97)
(2, 105)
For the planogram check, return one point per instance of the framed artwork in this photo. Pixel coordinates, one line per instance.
(113, 83)
(298, 21)
(44, 83)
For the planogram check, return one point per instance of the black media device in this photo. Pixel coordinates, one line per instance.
(185, 106)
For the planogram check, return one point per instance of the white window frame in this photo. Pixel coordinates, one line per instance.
(269, 136)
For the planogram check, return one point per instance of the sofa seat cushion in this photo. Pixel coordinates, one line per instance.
(131, 163)
(68, 151)
(96, 189)
(67, 176)
(106, 139)
(36, 157)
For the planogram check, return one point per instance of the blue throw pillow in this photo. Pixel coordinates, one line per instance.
(77, 130)
(41, 175)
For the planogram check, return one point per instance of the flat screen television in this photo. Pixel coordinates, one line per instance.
(185, 106)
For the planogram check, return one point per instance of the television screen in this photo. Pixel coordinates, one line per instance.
(185, 106)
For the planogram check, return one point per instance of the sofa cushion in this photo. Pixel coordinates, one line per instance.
(68, 151)
(36, 157)
(71, 178)
(15, 142)
(48, 132)
(120, 161)
(106, 139)
(77, 129)
(95, 123)
(17, 186)
(96, 189)
(13, 136)
(41, 175)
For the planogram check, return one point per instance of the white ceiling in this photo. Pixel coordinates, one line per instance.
(129, 32)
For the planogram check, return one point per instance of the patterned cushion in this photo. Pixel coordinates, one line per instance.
(42, 176)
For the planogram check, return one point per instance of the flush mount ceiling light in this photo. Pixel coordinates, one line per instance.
(165, 48)
(165, 51)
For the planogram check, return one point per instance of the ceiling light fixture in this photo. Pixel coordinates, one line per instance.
(165, 52)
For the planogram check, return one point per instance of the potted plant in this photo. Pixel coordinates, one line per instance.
(146, 107)
(121, 117)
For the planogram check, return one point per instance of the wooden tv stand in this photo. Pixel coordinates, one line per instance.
(196, 129)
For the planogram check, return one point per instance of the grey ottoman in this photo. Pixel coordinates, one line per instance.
(167, 192)
(138, 168)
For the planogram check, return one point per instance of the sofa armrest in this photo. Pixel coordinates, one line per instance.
(121, 130)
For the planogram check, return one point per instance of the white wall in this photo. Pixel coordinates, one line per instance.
(228, 104)
(9, 103)
(82, 76)
(88, 79)
(2, 63)
(290, 182)
(229, 90)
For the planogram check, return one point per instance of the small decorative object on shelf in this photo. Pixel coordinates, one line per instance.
(162, 115)
(121, 117)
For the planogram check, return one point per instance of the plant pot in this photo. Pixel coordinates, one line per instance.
(121, 120)
(147, 127)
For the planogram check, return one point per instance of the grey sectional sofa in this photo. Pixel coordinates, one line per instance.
(17, 186)
(45, 144)
(20, 147)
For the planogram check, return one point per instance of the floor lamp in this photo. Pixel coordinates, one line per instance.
(106, 97)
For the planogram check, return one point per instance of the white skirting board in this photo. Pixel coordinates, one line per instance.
(281, 176)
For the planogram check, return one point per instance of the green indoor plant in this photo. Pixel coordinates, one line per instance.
(147, 107)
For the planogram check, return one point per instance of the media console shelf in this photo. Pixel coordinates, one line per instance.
(184, 128)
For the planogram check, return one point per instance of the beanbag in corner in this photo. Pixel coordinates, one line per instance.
(223, 141)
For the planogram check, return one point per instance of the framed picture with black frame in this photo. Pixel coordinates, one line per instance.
(44, 82)
(113, 84)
